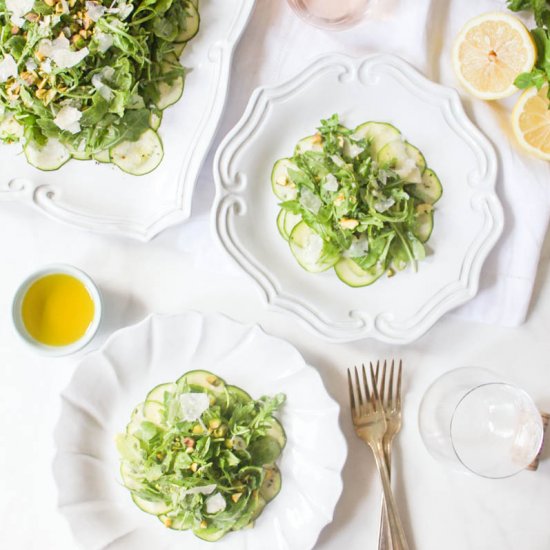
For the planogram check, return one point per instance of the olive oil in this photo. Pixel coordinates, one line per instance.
(57, 310)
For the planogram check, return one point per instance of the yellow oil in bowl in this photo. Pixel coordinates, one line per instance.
(57, 310)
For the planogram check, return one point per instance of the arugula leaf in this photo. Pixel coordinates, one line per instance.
(540, 75)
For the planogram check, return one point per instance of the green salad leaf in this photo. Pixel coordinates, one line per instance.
(201, 454)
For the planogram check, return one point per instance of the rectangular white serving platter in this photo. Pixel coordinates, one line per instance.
(100, 197)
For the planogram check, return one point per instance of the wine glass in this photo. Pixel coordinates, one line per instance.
(330, 14)
(473, 421)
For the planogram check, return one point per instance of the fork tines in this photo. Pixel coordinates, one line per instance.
(392, 397)
(369, 395)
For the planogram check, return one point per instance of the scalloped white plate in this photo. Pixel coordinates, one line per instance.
(100, 197)
(468, 219)
(109, 383)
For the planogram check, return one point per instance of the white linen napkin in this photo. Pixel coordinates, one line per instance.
(277, 45)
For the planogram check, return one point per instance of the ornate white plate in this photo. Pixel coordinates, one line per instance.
(102, 197)
(468, 220)
(109, 383)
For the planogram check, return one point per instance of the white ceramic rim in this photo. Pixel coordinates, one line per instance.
(68, 448)
(230, 187)
(19, 325)
(42, 196)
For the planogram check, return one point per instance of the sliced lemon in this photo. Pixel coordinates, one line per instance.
(490, 52)
(531, 122)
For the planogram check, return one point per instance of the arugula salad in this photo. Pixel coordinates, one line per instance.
(200, 454)
(360, 201)
(89, 79)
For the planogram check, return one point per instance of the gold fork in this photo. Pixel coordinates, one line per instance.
(391, 402)
(369, 421)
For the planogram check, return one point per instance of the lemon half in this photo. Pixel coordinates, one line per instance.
(490, 52)
(531, 122)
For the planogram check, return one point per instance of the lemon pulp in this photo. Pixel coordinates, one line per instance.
(57, 310)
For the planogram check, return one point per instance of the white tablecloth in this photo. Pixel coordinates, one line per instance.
(442, 509)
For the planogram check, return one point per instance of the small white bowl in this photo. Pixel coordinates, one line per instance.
(19, 325)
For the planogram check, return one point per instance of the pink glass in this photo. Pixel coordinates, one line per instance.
(330, 14)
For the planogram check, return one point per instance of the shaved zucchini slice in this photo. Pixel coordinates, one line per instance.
(51, 156)
(378, 133)
(102, 156)
(423, 226)
(129, 477)
(238, 394)
(10, 129)
(179, 47)
(415, 154)
(396, 156)
(192, 23)
(170, 93)
(309, 143)
(138, 157)
(429, 190)
(265, 450)
(286, 222)
(158, 392)
(156, 507)
(154, 412)
(205, 380)
(137, 418)
(178, 523)
(307, 248)
(277, 432)
(79, 153)
(155, 118)
(210, 534)
(271, 485)
(281, 184)
(350, 273)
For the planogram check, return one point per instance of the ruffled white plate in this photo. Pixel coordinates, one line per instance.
(100, 197)
(109, 383)
(468, 218)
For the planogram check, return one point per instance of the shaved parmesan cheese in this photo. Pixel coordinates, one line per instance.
(95, 11)
(123, 10)
(193, 405)
(313, 249)
(407, 166)
(104, 41)
(98, 82)
(46, 67)
(331, 183)
(18, 9)
(359, 247)
(384, 204)
(8, 68)
(352, 149)
(202, 490)
(68, 119)
(60, 52)
(309, 200)
(214, 504)
(337, 160)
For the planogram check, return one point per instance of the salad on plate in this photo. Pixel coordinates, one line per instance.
(201, 455)
(359, 200)
(89, 79)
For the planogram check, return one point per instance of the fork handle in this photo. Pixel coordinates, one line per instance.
(399, 542)
(384, 539)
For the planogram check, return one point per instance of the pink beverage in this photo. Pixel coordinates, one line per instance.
(331, 14)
